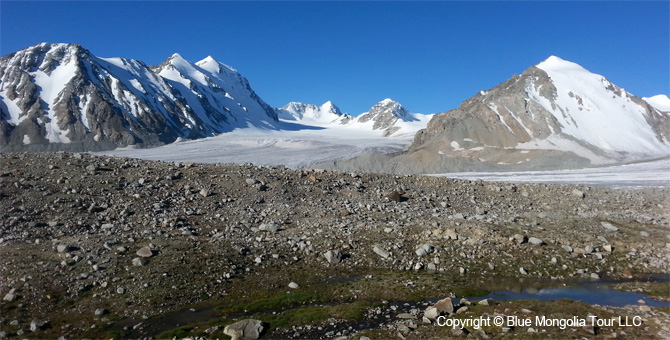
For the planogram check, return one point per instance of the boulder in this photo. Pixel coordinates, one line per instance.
(244, 329)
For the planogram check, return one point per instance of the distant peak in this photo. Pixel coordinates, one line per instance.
(208, 59)
(387, 101)
(331, 107)
(176, 56)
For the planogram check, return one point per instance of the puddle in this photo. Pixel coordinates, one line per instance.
(598, 292)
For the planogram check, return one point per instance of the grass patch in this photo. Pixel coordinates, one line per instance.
(288, 299)
(178, 333)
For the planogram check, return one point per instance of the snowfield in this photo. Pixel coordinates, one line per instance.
(637, 175)
(299, 147)
(304, 147)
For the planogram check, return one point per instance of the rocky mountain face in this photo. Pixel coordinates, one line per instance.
(326, 114)
(385, 114)
(61, 97)
(554, 115)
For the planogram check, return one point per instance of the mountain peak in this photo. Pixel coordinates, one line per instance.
(556, 64)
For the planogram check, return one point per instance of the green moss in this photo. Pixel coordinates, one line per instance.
(178, 333)
(288, 299)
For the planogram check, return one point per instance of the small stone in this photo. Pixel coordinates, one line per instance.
(138, 262)
(644, 234)
(645, 309)
(431, 313)
(62, 248)
(120, 290)
(269, 227)
(451, 234)
(38, 325)
(333, 256)
(251, 181)
(520, 238)
(536, 241)
(381, 252)
(578, 193)
(100, 311)
(523, 271)
(608, 248)
(595, 276)
(244, 329)
(394, 196)
(484, 302)
(462, 310)
(609, 226)
(144, 252)
(445, 306)
(293, 285)
(11, 296)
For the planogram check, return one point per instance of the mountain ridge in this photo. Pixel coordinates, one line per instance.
(561, 117)
(62, 97)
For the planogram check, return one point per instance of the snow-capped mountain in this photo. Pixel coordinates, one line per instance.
(61, 97)
(556, 114)
(386, 115)
(309, 114)
(555, 105)
(386, 118)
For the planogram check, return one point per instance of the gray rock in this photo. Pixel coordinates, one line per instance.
(609, 226)
(293, 285)
(523, 271)
(63, 248)
(381, 252)
(431, 313)
(536, 241)
(333, 256)
(38, 325)
(567, 248)
(269, 227)
(520, 238)
(100, 311)
(251, 181)
(145, 252)
(138, 262)
(11, 296)
(244, 329)
(578, 193)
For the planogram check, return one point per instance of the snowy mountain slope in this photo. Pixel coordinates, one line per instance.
(61, 97)
(554, 115)
(660, 102)
(309, 114)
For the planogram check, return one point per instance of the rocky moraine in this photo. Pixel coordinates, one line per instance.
(106, 247)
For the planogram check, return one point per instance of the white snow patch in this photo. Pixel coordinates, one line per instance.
(637, 175)
(661, 102)
(26, 139)
(456, 146)
(604, 119)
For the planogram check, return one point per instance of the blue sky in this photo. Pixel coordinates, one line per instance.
(429, 56)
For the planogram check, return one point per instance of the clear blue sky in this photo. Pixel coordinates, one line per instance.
(429, 56)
